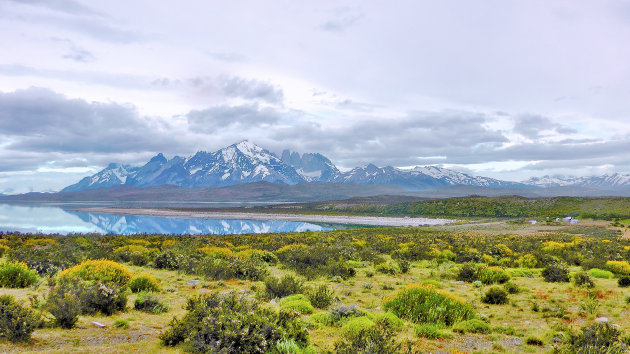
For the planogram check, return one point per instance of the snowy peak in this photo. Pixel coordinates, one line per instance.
(113, 175)
(313, 167)
(607, 181)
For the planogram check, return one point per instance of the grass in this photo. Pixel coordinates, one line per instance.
(558, 307)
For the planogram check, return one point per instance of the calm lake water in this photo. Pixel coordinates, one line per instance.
(55, 219)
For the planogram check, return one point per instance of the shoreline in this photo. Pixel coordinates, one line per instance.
(314, 218)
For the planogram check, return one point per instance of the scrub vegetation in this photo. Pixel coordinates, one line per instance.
(521, 288)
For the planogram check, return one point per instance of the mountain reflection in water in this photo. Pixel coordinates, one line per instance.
(47, 219)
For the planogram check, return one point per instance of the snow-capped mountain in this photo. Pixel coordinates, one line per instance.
(113, 175)
(246, 162)
(418, 177)
(243, 162)
(607, 181)
(313, 167)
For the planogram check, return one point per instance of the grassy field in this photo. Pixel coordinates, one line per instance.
(537, 318)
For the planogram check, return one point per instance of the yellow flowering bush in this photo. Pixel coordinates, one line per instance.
(217, 252)
(619, 267)
(100, 270)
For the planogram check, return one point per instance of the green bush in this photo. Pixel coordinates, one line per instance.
(392, 320)
(534, 340)
(493, 275)
(379, 338)
(495, 296)
(16, 322)
(511, 288)
(594, 338)
(555, 273)
(104, 298)
(148, 302)
(144, 282)
(624, 282)
(321, 297)
(136, 254)
(471, 326)
(582, 279)
(468, 273)
(601, 273)
(430, 331)
(387, 268)
(426, 304)
(354, 325)
(64, 304)
(285, 286)
(16, 275)
(169, 260)
(233, 322)
(234, 268)
(298, 303)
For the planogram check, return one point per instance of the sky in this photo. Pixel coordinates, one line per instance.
(504, 89)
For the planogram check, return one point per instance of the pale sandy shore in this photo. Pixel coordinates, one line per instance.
(356, 220)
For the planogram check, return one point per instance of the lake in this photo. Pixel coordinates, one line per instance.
(52, 219)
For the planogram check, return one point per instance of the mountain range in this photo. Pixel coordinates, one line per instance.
(246, 162)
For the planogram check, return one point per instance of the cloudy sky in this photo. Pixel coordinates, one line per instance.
(506, 89)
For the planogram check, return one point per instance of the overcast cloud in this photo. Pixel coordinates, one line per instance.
(503, 89)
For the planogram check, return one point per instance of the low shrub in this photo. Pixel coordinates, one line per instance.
(392, 320)
(600, 273)
(403, 265)
(148, 302)
(619, 267)
(493, 275)
(233, 322)
(511, 288)
(583, 280)
(290, 346)
(234, 268)
(339, 312)
(594, 338)
(426, 304)
(16, 275)
(100, 297)
(169, 260)
(104, 271)
(16, 322)
(534, 340)
(298, 303)
(624, 282)
(321, 297)
(471, 326)
(136, 254)
(387, 268)
(64, 304)
(430, 331)
(354, 325)
(144, 282)
(379, 338)
(495, 296)
(262, 255)
(285, 286)
(122, 324)
(555, 273)
(467, 273)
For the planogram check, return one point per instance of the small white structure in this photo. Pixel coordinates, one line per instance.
(574, 221)
(533, 222)
(567, 219)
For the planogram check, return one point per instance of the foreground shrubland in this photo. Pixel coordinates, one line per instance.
(361, 290)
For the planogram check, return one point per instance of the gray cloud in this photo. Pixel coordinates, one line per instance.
(40, 120)
(234, 87)
(73, 51)
(221, 117)
(532, 126)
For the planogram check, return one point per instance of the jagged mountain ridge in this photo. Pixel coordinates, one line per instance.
(606, 182)
(245, 162)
